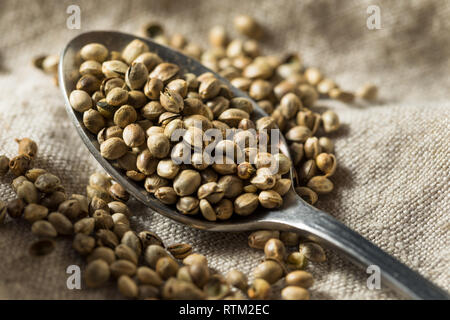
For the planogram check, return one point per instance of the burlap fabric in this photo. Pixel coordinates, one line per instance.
(392, 184)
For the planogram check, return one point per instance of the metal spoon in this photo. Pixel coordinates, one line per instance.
(295, 215)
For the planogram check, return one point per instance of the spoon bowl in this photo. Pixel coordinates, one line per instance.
(295, 214)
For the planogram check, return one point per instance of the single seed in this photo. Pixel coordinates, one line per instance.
(298, 134)
(207, 210)
(326, 163)
(85, 226)
(83, 244)
(97, 273)
(27, 147)
(120, 218)
(320, 184)
(122, 267)
(326, 145)
(312, 251)
(94, 51)
(282, 186)
(125, 115)
(294, 293)
(180, 250)
(187, 182)
(270, 199)
(98, 192)
(166, 267)
(15, 208)
(127, 287)
(148, 276)
(259, 290)
(188, 205)
(150, 238)
(158, 145)
(237, 279)
(289, 239)
(53, 200)
(269, 270)
(199, 273)
(368, 92)
(119, 193)
(300, 278)
(132, 240)
(246, 204)
(91, 67)
(247, 26)
(344, 96)
(274, 249)
(312, 148)
(113, 148)
(136, 76)
(175, 289)
(224, 209)
(153, 253)
(307, 194)
(20, 164)
(166, 195)
(4, 165)
(80, 100)
(296, 261)
(133, 50)
(43, 229)
(70, 208)
(47, 183)
(126, 253)
(106, 238)
(102, 253)
(171, 101)
(34, 212)
(28, 192)
(164, 71)
(195, 258)
(313, 76)
(61, 223)
(330, 121)
(258, 239)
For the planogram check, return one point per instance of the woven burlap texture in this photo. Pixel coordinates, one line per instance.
(392, 185)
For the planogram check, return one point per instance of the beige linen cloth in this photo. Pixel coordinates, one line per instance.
(392, 185)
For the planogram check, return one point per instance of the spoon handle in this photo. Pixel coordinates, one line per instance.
(323, 228)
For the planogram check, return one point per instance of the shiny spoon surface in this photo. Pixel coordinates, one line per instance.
(295, 214)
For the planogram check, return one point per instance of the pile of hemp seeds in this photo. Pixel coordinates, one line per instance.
(139, 261)
(174, 272)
